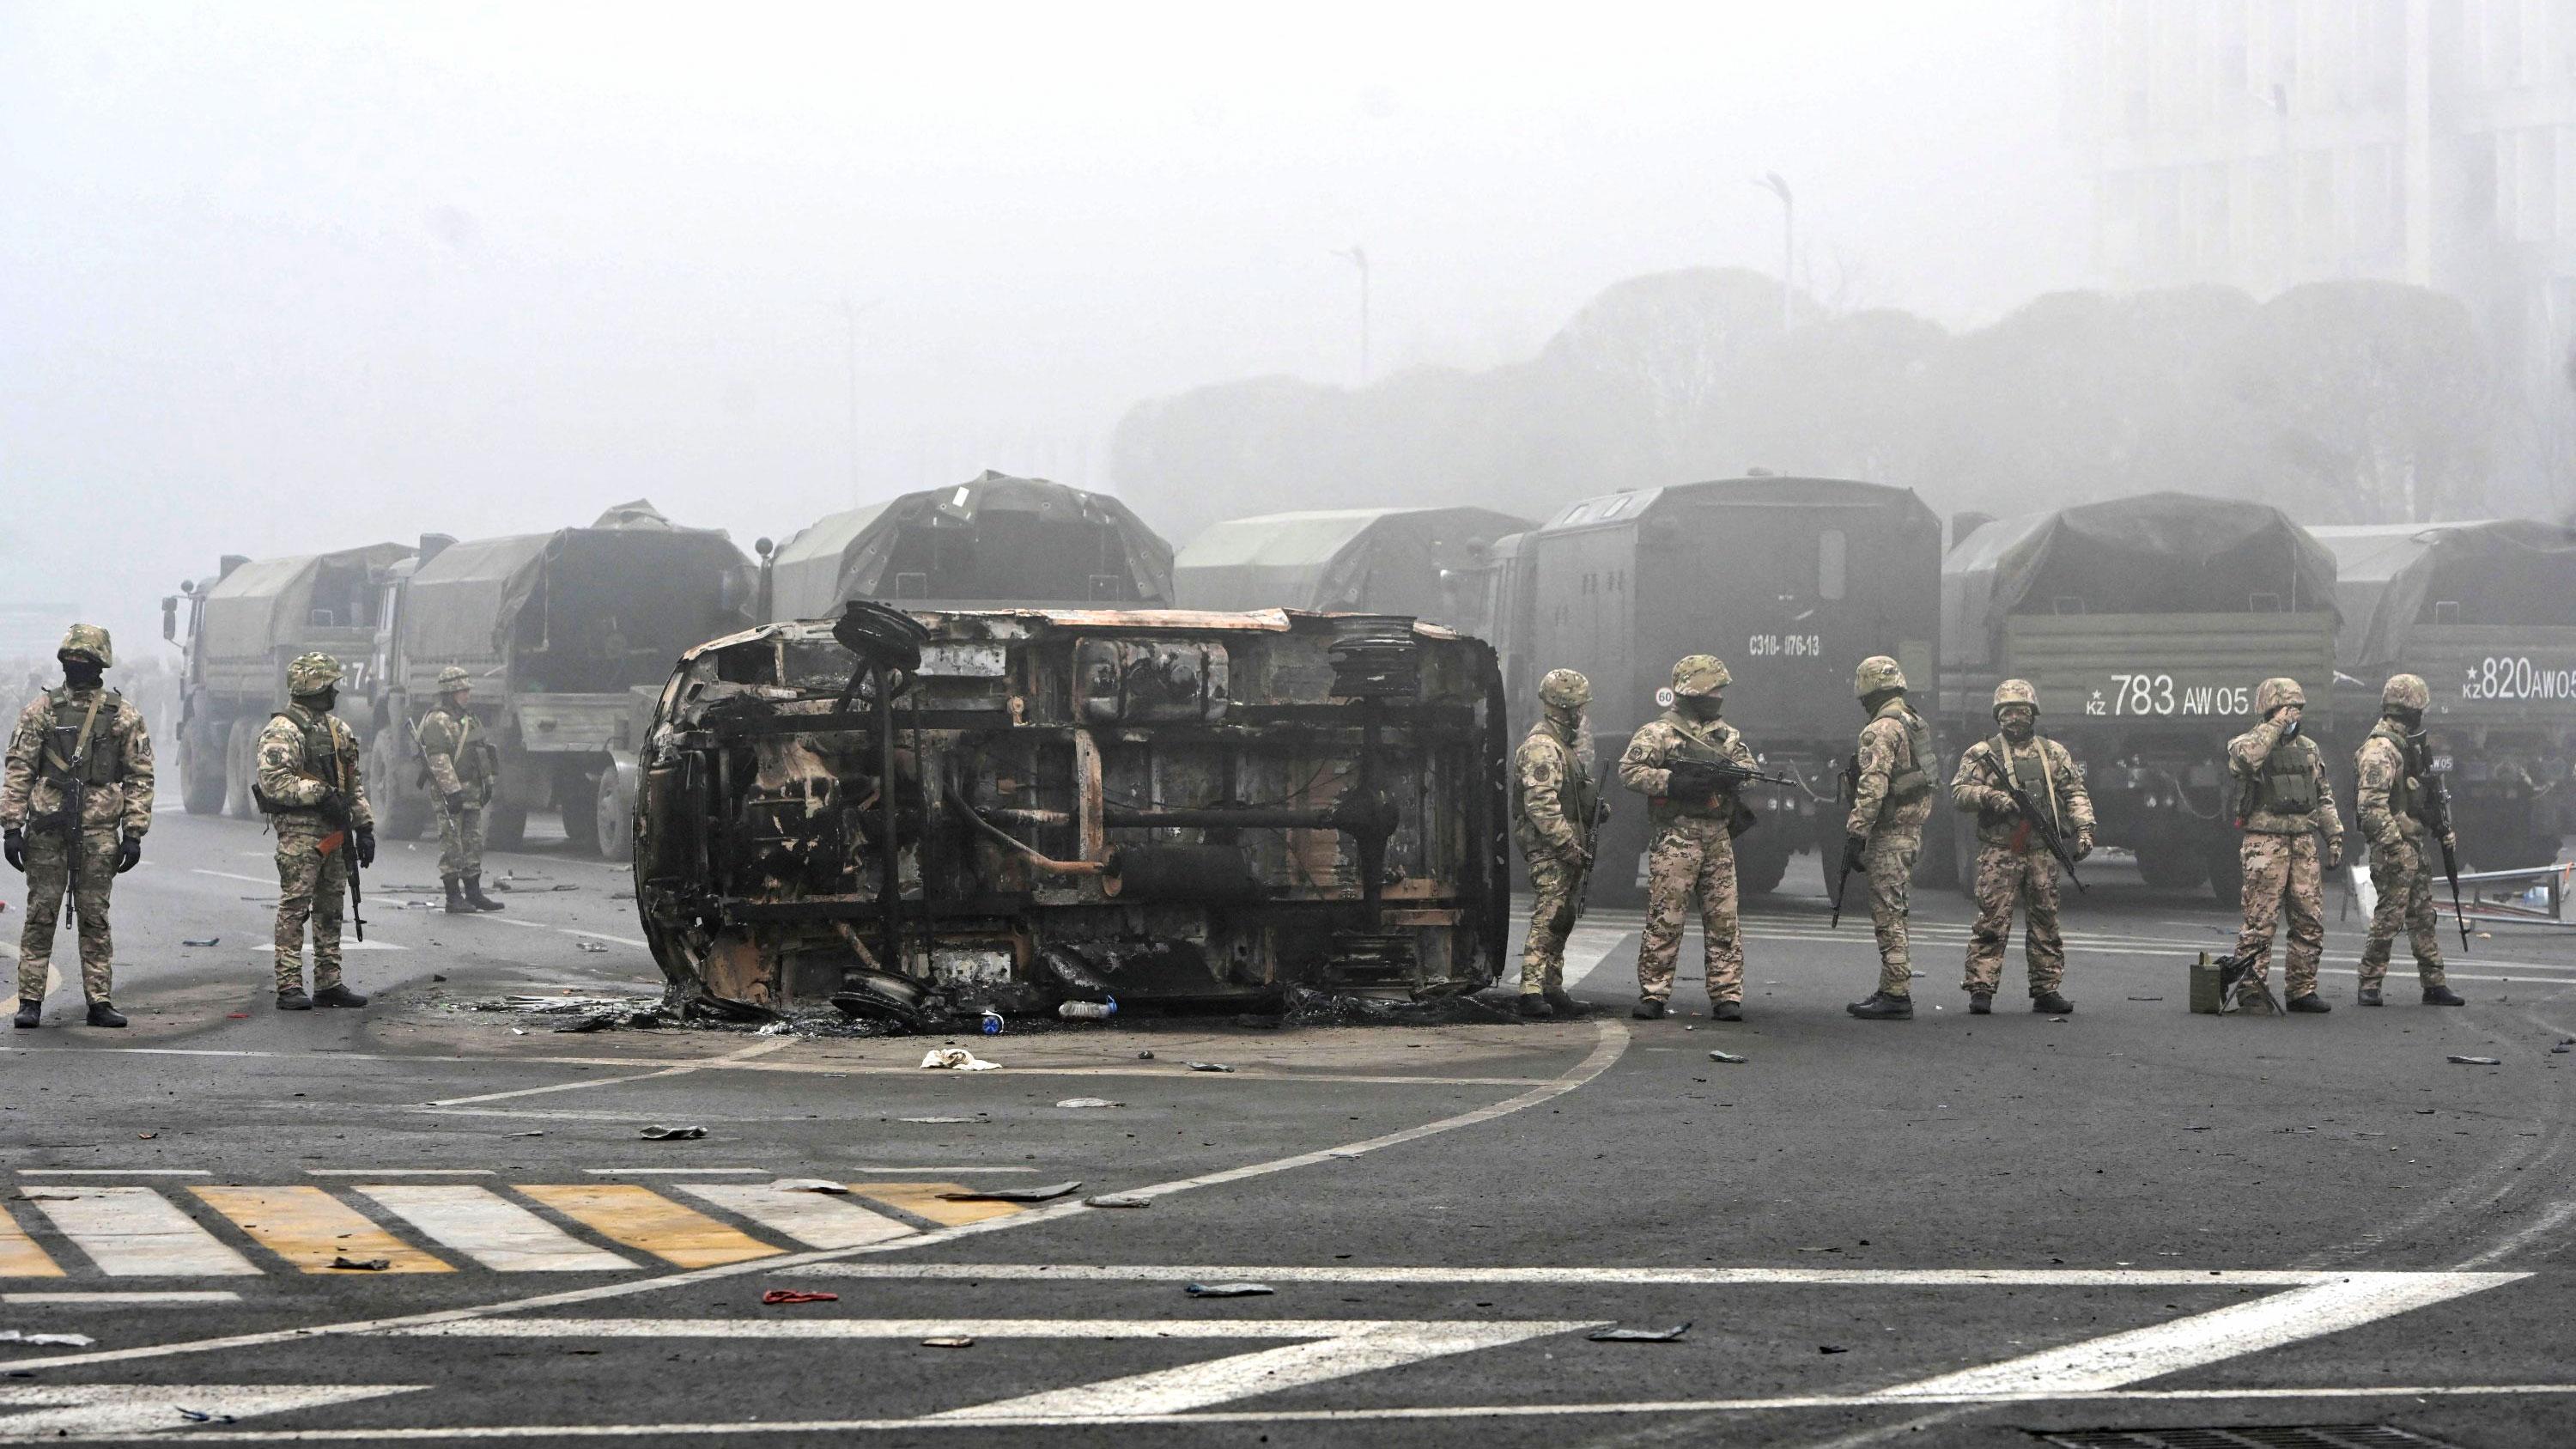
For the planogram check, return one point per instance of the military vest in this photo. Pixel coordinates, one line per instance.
(475, 758)
(1911, 779)
(80, 730)
(1711, 739)
(320, 757)
(2287, 783)
(2403, 798)
(2032, 777)
(1578, 796)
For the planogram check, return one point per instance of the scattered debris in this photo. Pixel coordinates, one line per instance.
(1639, 1335)
(954, 1340)
(2561, 1049)
(1831, 1348)
(955, 1059)
(776, 1296)
(208, 941)
(540, 1132)
(2476, 1062)
(1012, 1194)
(1118, 1200)
(811, 1184)
(1144, 1056)
(596, 948)
(1089, 1102)
(362, 1265)
(934, 1121)
(659, 1133)
(2196, 1127)
(434, 976)
(1727, 1057)
(46, 1340)
(1230, 1290)
(2146, 998)
(199, 1416)
(1208, 1066)
(585, 1024)
(1087, 1010)
(236, 1016)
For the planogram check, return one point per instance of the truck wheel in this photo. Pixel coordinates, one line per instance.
(2226, 871)
(505, 825)
(404, 812)
(241, 768)
(577, 797)
(1758, 868)
(1963, 854)
(616, 814)
(2169, 864)
(201, 771)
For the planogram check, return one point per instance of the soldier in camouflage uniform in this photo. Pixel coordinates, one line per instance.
(1553, 822)
(2391, 766)
(2285, 802)
(460, 765)
(1892, 788)
(2012, 863)
(85, 733)
(316, 798)
(1694, 846)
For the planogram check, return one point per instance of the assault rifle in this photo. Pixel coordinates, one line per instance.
(1846, 791)
(1567, 914)
(75, 791)
(2437, 819)
(2034, 820)
(338, 808)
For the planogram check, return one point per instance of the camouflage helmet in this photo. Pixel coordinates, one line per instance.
(2274, 694)
(1564, 689)
(454, 678)
(312, 673)
(2016, 691)
(1699, 675)
(89, 640)
(1877, 672)
(2406, 691)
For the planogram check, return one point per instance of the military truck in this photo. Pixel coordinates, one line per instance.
(2146, 623)
(991, 540)
(1427, 562)
(2486, 613)
(568, 635)
(919, 813)
(240, 629)
(1790, 581)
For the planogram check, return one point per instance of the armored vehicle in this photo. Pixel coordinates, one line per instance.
(241, 629)
(2486, 613)
(568, 635)
(1426, 562)
(2145, 622)
(920, 812)
(992, 540)
(1791, 581)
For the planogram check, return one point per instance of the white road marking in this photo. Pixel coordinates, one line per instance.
(346, 944)
(114, 1172)
(1610, 1042)
(135, 1232)
(814, 1219)
(260, 880)
(1670, 1277)
(604, 936)
(112, 1298)
(66, 1409)
(668, 1171)
(1591, 945)
(2549, 1221)
(778, 1328)
(684, 1068)
(2118, 1359)
(398, 1172)
(492, 1230)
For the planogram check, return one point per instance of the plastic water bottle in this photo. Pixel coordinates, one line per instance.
(992, 1023)
(1088, 1010)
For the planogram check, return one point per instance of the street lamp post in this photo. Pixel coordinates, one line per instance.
(1772, 183)
(1359, 258)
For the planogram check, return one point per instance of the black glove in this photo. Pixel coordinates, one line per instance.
(1692, 780)
(14, 845)
(1854, 849)
(455, 802)
(366, 848)
(335, 811)
(129, 853)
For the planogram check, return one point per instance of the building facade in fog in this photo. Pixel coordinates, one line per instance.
(2266, 143)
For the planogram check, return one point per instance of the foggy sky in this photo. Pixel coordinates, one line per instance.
(281, 278)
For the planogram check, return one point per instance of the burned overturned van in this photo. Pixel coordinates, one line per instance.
(909, 813)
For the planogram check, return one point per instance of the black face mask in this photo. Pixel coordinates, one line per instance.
(320, 703)
(2409, 720)
(1702, 707)
(82, 674)
(2019, 730)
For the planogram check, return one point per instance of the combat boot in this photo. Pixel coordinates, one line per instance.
(294, 999)
(2442, 996)
(1726, 1010)
(2370, 996)
(336, 994)
(1534, 1006)
(102, 1014)
(2310, 1005)
(30, 1014)
(1649, 1008)
(457, 905)
(1879, 1006)
(1562, 1004)
(2050, 1003)
(1981, 1003)
(474, 895)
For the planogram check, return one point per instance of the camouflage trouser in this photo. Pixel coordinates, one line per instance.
(2404, 880)
(1691, 853)
(1889, 859)
(2005, 876)
(1552, 893)
(48, 876)
(460, 842)
(315, 887)
(2282, 872)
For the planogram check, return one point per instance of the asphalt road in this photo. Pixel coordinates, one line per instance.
(1948, 1231)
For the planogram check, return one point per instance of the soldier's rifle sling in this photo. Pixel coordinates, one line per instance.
(2437, 792)
(2036, 818)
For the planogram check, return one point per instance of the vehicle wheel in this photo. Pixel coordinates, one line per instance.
(1758, 868)
(241, 767)
(201, 771)
(616, 815)
(2169, 864)
(505, 825)
(2226, 871)
(577, 797)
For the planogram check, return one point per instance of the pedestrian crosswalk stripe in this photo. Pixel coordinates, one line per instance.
(19, 1255)
(310, 1228)
(134, 1232)
(922, 1200)
(818, 1220)
(641, 1218)
(491, 1229)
